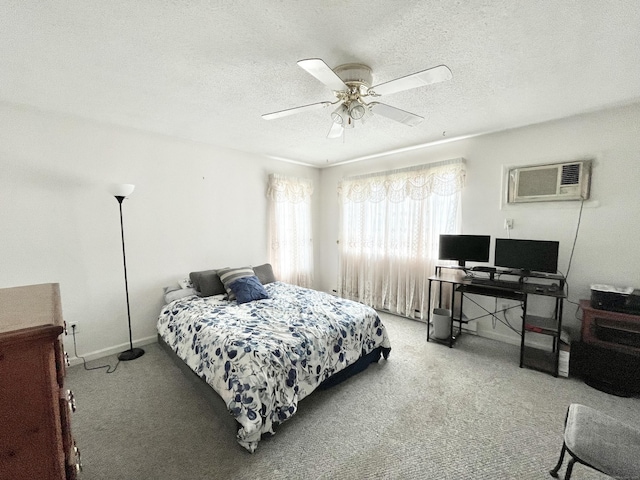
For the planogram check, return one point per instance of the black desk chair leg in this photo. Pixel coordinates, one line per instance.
(567, 474)
(556, 469)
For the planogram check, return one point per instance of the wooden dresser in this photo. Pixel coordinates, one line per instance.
(35, 407)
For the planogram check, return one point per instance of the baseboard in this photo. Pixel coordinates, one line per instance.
(512, 339)
(500, 337)
(491, 334)
(105, 352)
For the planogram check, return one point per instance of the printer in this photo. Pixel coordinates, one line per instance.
(616, 299)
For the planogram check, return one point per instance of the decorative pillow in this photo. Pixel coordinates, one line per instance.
(264, 273)
(230, 275)
(207, 282)
(248, 289)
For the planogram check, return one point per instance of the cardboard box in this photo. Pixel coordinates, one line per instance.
(563, 361)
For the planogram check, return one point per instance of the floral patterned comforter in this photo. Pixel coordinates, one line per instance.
(264, 356)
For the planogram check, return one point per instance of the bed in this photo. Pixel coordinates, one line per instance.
(263, 356)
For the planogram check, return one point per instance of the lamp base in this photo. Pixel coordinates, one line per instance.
(130, 354)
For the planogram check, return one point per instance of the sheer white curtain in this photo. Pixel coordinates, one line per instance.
(390, 223)
(290, 236)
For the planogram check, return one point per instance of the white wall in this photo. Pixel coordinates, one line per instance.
(607, 246)
(198, 207)
(195, 207)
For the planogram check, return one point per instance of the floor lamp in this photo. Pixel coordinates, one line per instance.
(121, 192)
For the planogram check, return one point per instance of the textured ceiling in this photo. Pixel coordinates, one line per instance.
(206, 71)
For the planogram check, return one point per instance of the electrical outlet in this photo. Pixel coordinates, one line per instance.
(508, 223)
(73, 327)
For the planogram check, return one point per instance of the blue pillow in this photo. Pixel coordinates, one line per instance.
(247, 289)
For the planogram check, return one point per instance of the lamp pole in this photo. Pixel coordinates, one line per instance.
(132, 353)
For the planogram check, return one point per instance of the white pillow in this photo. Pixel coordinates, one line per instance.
(171, 294)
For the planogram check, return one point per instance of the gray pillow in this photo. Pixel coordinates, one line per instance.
(207, 282)
(264, 273)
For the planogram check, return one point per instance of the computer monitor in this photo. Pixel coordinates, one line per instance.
(463, 248)
(527, 255)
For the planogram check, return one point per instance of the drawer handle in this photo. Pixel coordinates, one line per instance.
(71, 399)
(76, 450)
(66, 359)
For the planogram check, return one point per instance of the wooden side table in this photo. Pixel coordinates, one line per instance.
(608, 357)
(612, 330)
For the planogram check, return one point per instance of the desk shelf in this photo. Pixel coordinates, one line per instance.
(538, 359)
(543, 325)
(450, 340)
(490, 291)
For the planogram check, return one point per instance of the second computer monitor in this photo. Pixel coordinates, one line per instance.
(527, 255)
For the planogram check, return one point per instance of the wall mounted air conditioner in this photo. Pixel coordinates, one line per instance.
(550, 183)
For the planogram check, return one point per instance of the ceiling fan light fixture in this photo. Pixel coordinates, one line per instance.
(367, 113)
(357, 110)
(340, 115)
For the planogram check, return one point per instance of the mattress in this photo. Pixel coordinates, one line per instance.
(263, 357)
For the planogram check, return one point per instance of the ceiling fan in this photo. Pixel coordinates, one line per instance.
(351, 84)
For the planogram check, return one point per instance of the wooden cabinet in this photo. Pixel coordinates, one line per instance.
(608, 357)
(612, 330)
(35, 407)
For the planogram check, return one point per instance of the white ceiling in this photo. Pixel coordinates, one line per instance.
(206, 71)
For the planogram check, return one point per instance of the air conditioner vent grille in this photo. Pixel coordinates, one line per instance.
(570, 174)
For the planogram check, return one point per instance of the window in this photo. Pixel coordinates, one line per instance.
(390, 224)
(290, 237)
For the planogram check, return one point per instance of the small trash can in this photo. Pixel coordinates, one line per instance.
(441, 322)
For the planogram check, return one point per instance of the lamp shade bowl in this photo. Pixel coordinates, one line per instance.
(122, 189)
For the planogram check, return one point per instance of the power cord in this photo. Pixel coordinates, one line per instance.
(573, 247)
(575, 239)
(494, 315)
(84, 362)
(566, 284)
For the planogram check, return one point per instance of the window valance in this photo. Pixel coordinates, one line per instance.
(418, 182)
(289, 189)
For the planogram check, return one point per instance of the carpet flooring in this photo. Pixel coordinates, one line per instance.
(429, 412)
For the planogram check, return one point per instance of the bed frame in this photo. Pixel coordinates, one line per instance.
(201, 385)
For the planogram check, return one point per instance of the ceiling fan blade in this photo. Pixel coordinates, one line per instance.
(336, 131)
(396, 114)
(415, 80)
(322, 72)
(293, 111)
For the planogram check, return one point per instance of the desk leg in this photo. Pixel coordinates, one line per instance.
(557, 339)
(429, 311)
(460, 318)
(453, 299)
(524, 317)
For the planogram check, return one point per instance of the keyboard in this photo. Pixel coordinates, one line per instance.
(486, 282)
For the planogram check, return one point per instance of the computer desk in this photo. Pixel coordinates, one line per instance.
(518, 290)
